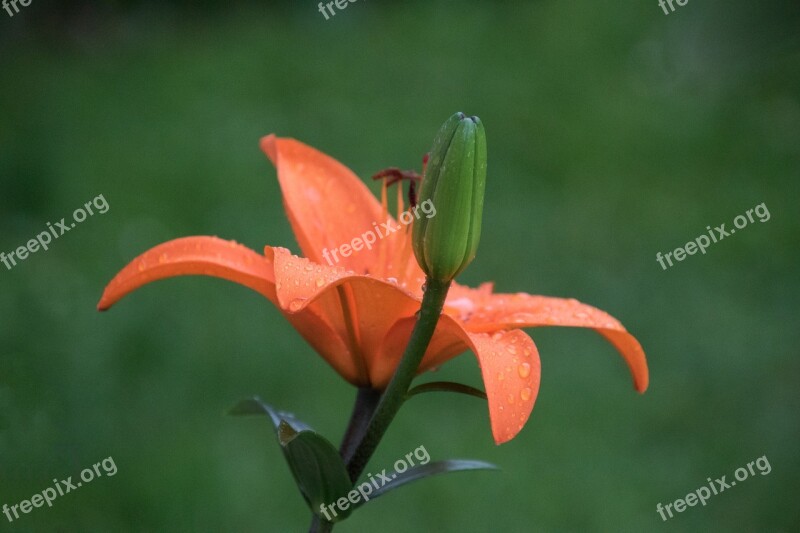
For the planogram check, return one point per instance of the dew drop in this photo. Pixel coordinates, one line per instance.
(511, 349)
(510, 398)
(142, 266)
(526, 352)
(500, 376)
(524, 370)
(309, 267)
(320, 282)
(525, 394)
(295, 305)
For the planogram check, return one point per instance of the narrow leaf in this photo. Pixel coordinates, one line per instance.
(423, 471)
(256, 406)
(446, 386)
(315, 463)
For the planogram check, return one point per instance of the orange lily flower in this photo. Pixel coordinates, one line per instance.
(359, 315)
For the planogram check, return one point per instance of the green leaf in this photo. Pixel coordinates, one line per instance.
(315, 463)
(423, 471)
(256, 406)
(318, 469)
(446, 386)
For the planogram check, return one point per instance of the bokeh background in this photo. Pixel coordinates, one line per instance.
(615, 132)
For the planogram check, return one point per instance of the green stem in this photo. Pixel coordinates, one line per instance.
(364, 407)
(392, 399)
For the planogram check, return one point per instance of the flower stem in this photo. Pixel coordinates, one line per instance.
(394, 395)
(363, 409)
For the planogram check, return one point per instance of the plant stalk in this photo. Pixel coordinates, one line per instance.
(394, 395)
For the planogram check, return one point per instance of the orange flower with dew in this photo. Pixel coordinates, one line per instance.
(358, 315)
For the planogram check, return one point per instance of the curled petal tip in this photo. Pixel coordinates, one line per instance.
(268, 147)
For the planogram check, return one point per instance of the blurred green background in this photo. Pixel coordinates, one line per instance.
(615, 132)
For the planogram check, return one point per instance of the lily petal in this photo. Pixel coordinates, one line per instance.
(355, 306)
(192, 256)
(511, 372)
(506, 311)
(509, 363)
(327, 205)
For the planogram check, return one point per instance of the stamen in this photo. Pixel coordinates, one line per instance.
(400, 205)
(382, 244)
(405, 253)
(412, 195)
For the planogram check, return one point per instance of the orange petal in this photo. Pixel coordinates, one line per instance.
(505, 311)
(192, 256)
(511, 372)
(509, 364)
(317, 331)
(327, 205)
(361, 309)
(225, 259)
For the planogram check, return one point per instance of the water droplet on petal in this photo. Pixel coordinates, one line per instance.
(510, 398)
(295, 305)
(526, 352)
(525, 394)
(320, 282)
(511, 349)
(500, 376)
(142, 265)
(309, 267)
(524, 370)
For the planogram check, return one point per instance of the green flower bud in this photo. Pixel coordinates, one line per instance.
(454, 181)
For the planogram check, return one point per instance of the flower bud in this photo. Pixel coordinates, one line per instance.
(454, 182)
